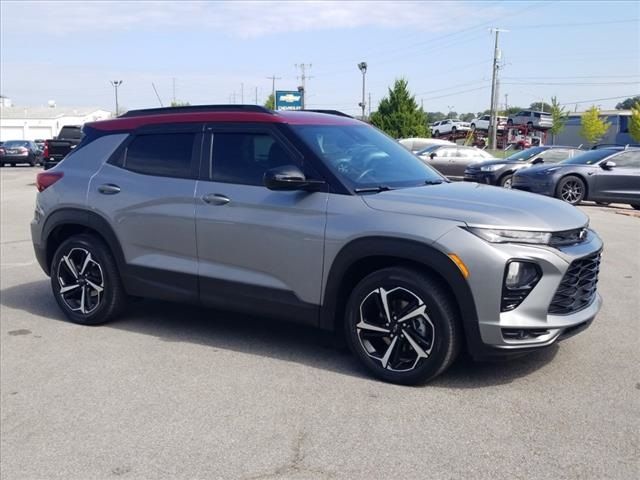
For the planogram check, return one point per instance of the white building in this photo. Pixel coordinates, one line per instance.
(31, 123)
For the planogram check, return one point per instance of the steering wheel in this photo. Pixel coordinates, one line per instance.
(370, 159)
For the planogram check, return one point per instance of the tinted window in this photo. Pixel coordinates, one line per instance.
(627, 160)
(71, 133)
(15, 144)
(243, 158)
(166, 154)
(524, 155)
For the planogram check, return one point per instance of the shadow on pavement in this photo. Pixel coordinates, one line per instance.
(264, 337)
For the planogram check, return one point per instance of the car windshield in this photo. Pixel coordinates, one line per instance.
(524, 155)
(15, 144)
(591, 157)
(365, 157)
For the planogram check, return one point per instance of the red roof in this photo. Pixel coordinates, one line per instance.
(288, 117)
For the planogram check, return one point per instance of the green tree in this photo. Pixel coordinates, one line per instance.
(399, 115)
(179, 103)
(628, 103)
(592, 126)
(540, 106)
(634, 121)
(558, 117)
(467, 117)
(434, 116)
(270, 103)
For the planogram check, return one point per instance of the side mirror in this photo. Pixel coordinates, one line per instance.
(537, 161)
(288, 177)
(608, 165)
(433, 155)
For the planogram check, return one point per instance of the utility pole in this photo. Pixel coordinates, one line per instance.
(174, 90)
(494, 90)
(369, 105)
(363, 68)
(273, 79)
(242, 93)
(116, 84)
(506, 103)
(303, 76)
(256, 95)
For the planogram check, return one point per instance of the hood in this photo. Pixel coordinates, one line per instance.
(481, 205)
(496, 161)
(543, 169)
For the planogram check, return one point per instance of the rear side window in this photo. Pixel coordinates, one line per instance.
(555, 155)
(166, 154)
(243, 158)
(627, 160)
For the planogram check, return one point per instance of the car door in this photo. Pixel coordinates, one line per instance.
(440, 159)
(259, 250)
(620, 183)
(463, 157)
(146, 194)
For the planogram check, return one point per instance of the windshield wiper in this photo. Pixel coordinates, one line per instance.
(377, 188)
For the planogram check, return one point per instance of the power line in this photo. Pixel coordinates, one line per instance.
(577, 24)
(457, 93)
(600, 99)
(570, 77)
(572, 83)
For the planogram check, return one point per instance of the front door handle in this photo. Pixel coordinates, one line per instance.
(216, 199)
(109, 189)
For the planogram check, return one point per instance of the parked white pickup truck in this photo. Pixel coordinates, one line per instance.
(450, 125)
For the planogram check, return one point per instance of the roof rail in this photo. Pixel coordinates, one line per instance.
(329, 112)
(195, 109)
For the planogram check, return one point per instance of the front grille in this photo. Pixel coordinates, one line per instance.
(578, 286)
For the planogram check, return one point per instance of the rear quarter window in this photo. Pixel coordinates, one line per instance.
(165, 155)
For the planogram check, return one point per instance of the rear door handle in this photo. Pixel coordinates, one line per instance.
(216, 199)
(109, 189)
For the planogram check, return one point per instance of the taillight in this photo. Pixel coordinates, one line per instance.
(45, 179)
(22, 150)
(45, 150)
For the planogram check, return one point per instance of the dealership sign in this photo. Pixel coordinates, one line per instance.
(288, 100)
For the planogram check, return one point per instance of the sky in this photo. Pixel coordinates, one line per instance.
(583, 52)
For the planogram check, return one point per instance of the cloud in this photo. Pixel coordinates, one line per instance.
(243, 19)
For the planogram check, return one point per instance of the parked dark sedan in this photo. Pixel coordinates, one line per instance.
(500, 172)
(20, 151)
(603, 175)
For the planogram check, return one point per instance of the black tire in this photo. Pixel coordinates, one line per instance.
(529, 124)
(473, 126)
(571, 189)
(510, 122)
(104, 306)
(436, 133)
(13, 164)
(33, 162)
(437, 331)
(635, 206)
(454, 130)
(506, 180)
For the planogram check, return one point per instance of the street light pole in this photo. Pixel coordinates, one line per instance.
(363, 68)
(493, 124)
(116, 84)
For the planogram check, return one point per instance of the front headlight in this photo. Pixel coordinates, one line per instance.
(494, 235)
(491, 168)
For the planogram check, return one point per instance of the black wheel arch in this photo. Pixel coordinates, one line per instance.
(66, 222)
(581, 177)
(366, 255)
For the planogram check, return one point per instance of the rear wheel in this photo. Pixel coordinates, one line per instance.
(402, 325)
(454, 129)
(436, 133)
(571, 189)
(635, 206)
(506, 181)
(85, 281)
(473, 126)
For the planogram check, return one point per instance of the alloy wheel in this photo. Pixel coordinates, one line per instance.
(81, 281)
(572, 191)
(395, 329)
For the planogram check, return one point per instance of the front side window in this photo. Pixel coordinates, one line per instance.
(627, 160)
(555, 155)
(590, 158)
(243, 158)
(364, 157)
(162, 154)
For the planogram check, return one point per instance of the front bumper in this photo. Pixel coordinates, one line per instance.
(496, 332)
(543, 187)
(488, 178)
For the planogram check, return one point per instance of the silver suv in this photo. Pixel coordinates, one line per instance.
(531, 119)
(316, 218)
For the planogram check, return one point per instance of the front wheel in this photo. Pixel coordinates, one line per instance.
(85, 281)
(506, 181)
(635, 206)
(402, 325)
(436, 133)
(571, 189)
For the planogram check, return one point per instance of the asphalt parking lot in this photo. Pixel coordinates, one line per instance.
(173, 391)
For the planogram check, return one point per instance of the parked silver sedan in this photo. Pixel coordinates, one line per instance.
(451, 160)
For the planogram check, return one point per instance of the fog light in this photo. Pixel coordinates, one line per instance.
(520, 275)
(519, 280)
